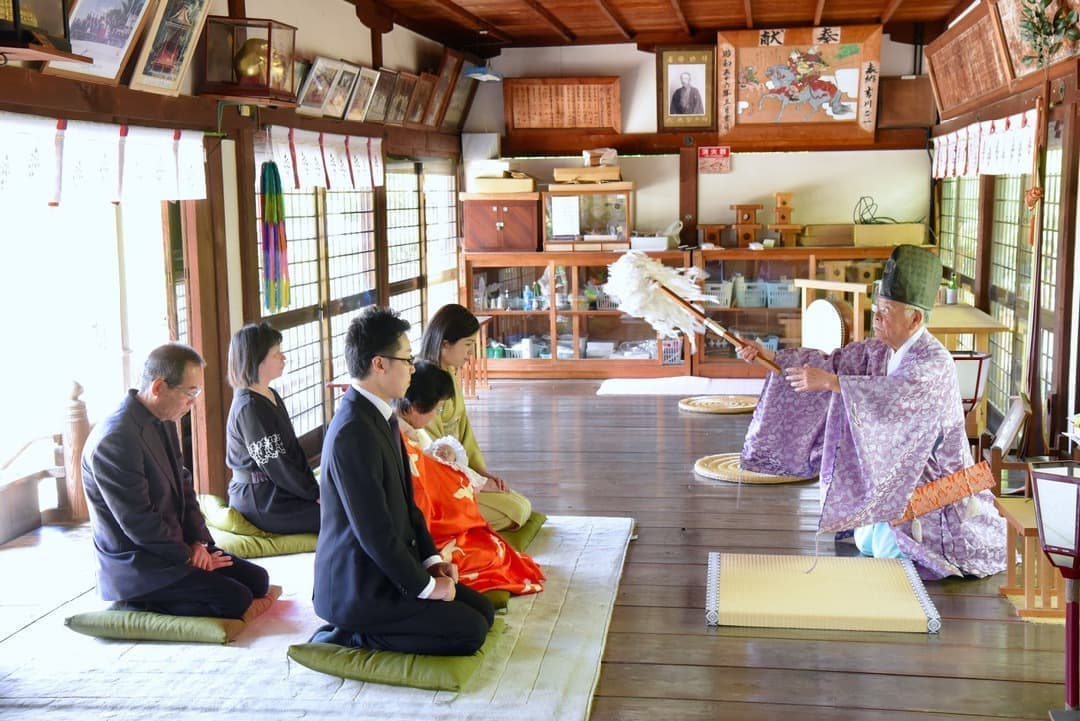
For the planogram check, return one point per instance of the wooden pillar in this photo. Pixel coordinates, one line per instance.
(76, 429)
(688, 194)
(203, 230)
(1058, 404)
(980, 284)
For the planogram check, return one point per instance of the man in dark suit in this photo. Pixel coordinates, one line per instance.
(379, 580)
(153, 548)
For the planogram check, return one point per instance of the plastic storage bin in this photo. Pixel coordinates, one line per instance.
(751, 295)
(783, 295)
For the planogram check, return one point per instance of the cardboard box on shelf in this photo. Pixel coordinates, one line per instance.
(826, 234)
(890, 234)
(511, 183)
(581, 174)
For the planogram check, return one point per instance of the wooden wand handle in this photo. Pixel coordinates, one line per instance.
(714, 326)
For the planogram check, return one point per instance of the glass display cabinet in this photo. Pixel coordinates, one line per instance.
(551, 318)
(758, 299)
(588, 212)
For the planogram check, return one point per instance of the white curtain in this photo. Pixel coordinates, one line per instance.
(45, 160)
(1005, 146)
(308, 159)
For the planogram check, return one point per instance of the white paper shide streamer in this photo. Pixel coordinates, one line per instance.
(633, 280)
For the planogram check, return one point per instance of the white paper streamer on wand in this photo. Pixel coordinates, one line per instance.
(632, 281)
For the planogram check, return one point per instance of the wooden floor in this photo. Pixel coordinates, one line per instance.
(573, 452)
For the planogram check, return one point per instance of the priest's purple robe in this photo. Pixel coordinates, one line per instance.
(876, 441)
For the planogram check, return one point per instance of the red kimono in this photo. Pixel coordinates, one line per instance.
(446, 498)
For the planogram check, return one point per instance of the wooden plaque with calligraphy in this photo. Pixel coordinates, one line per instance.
(817, 83)
(968, 64)
(562, 104)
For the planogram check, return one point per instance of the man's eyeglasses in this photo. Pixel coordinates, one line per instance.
(411, 360)
(192, 394)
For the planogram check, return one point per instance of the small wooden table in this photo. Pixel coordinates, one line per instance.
(1041, 584)
(948, 323)
(474, 374)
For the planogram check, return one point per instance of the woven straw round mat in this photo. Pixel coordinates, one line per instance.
(725, 467)
(719, 404)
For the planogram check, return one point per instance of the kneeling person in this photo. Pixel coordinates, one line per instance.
(379, 580)
(153, 549)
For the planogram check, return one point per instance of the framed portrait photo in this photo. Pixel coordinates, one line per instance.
(320, 80)
(107, 31)
(361, 95)
(414, 115)
(686, 87)
(337, 100)
(440, 96)
(380, 96)
(170, 45)
(399, 103)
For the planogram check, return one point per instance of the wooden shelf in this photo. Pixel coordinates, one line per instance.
(33, 52)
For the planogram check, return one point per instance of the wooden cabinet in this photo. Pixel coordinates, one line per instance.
(770, 308)
(500, 221)
(551, 319)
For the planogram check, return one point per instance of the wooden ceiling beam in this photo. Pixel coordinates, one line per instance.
(553, 21)
(818, 12)
(677, 7)
(890, 10)
(602, 4)
(377, 18)
(959, 9)
(483, 27)
(749, 12)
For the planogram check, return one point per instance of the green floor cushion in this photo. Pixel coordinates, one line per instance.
(439, 673)
(522, 537)
(240, 537)
(259, 546)
(223, 517)
(150, 626)
(499, 598)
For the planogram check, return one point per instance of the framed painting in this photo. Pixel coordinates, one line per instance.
(812, 82)
(399, 103)
(440, 96)
(1009, 17)
(169, 46)
(107, 31)
(685, 79)
(380, 96)
(361, 95)
(414, 114)
(457, 109)
(969, 64)
(337, 100)
(320, 80)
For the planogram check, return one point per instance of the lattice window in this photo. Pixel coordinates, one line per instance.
(441, 233)
(947, 228)
(409, 306)
(403, 225)
(966, 239)
(301, 385)
(1010, 283)
(350, 235)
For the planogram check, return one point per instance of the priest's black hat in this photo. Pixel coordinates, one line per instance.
(912, 276)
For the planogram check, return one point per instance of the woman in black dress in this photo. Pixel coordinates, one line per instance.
(272, 483)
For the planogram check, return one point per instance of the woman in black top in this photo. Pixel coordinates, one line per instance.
(272, 483)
